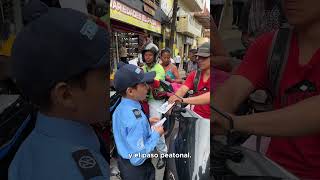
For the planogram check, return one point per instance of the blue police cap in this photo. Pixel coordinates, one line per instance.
(57, 45)
(129, 75)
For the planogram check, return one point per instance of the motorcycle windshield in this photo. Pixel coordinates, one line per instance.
(193, 141)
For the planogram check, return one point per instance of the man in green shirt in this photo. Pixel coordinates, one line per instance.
(149, 57)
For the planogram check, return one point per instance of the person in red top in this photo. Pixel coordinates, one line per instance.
(202, 97)
(295, 124)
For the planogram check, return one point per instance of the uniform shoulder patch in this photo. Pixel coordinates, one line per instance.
(137, 113)
(87, 164)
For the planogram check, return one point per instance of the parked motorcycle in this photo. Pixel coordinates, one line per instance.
(230, 160)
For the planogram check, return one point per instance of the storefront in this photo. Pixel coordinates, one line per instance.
(130, 31)
(10, 23)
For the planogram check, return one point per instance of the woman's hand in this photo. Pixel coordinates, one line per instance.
(174, 99)
(169, 79)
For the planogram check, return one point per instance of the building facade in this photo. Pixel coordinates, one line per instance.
(189, 29)
(134, 23)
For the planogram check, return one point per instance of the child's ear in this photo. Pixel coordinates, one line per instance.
(129, 91)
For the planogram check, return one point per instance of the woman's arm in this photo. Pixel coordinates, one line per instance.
(176, 74)
(198, 100)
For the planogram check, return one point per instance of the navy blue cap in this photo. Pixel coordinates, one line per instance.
(57, 45)
(129, 75)
(34, 9)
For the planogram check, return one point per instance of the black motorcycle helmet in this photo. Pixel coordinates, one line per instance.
(153, 48)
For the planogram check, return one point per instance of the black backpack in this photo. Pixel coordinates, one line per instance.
(114, 102)
(17, 120)
(196, 81)
(276, 63)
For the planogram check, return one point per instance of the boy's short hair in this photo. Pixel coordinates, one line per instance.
(124, 92)
(130, 75)
(43, 100)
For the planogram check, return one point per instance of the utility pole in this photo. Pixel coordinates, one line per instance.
(173, 25)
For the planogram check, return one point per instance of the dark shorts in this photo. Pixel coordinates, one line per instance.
(146, 171)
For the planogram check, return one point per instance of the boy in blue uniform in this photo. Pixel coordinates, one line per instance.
(134, 138)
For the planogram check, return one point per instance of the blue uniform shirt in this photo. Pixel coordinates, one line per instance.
(56, 149)
(132, 132)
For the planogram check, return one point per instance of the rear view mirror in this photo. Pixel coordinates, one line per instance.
(166, 86)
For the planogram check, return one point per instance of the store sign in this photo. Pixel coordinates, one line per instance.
(149, 10)
(128, 15)
(151, 3)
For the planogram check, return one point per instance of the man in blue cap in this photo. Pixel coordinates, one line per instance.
(134, 138)
(60, 61)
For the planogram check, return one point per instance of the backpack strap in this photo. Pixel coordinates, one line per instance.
(278, 57)
(196, 81)
(277, 60)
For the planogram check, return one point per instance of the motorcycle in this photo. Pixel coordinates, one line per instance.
(188, 133)
(17, 120)
(231, 159)
(237, 162)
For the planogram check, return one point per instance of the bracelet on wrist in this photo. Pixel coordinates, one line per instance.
(231, 124)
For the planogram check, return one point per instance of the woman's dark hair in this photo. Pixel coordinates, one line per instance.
(166, 50)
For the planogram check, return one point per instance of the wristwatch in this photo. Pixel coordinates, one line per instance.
(231, 124)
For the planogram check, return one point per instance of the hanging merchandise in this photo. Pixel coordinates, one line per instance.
(7, 17)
